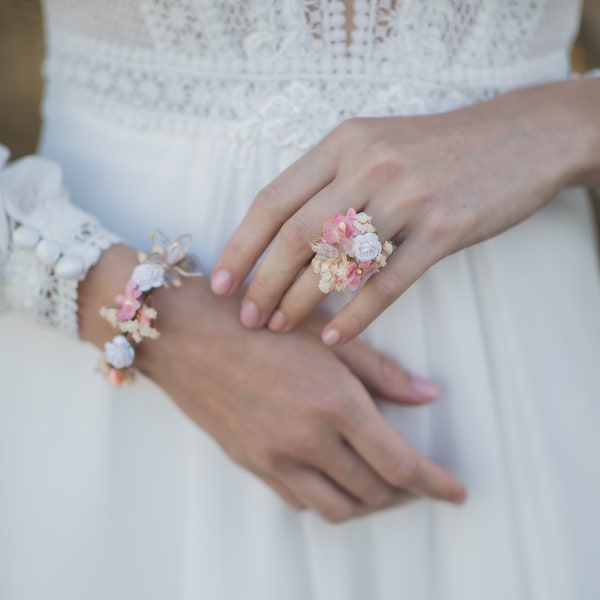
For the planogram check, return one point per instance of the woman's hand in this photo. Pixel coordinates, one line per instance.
(433, 185)
(283, 406)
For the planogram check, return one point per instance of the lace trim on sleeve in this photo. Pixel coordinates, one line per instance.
(47, 244)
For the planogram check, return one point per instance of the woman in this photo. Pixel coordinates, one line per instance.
(177, 114)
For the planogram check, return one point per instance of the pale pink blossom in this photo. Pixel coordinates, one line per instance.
(128, 301)
(340, 227)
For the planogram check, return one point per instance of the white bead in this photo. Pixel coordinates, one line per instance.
(26, 237)
(47, 251)
(69, 267)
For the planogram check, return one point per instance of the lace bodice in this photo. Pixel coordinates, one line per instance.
(288, 71)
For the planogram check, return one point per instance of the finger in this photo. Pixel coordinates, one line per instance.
(283, 492)
(405, 266)
(346, 468)
(383, 376)
(290, 252)
(297, 303)
(321, 495)
(273, 205)
(402, 467)
(400, 499)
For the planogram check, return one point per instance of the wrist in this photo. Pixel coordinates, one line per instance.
(563, 121)
(131, 280)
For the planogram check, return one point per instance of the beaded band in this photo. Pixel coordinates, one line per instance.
(349, 250)
(134, 319)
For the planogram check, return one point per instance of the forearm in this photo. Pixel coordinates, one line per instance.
(589, 99)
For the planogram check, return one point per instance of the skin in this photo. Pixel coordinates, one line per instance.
(433, 184)
(287, 408)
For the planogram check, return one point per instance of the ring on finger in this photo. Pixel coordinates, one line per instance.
(348, 251)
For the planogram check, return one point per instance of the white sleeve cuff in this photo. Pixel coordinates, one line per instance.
(47, 244)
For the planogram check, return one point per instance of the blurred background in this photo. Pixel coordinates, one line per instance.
(22, 52)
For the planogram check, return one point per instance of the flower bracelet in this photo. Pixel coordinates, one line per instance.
(134, 319)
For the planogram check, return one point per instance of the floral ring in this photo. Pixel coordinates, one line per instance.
(349, 250)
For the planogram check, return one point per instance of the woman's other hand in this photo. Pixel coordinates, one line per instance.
(284, 407)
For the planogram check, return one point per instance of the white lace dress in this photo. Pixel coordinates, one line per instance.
(174, 113)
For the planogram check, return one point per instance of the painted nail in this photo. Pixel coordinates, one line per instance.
(278, 321)
(425, 388)
(221, 282)
(250, 315)
(331, 337)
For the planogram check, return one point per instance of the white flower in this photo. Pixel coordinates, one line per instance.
(147, 276)
(366, 247)
(119, 353)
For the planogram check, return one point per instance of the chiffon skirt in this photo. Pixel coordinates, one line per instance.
(114, 494)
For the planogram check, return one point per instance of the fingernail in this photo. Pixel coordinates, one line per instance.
(425, 388)
(278, 321)
(331, 337)
(250, 315)
(221, 282)
(459, 497)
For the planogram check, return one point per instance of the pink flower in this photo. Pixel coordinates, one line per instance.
(356, 272)
(340, 227)
(354, 276)
(116, 377)
(368, 267)
(128, 302)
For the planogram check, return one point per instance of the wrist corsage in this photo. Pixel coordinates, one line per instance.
(134, 318)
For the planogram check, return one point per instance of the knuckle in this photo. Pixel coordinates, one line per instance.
(266, 459)
(296, 234)
(354, 323)
(332, 409)
(260, 286)
(440, 236)
(269, 200)
(381, 496)
(388, 370)
(438, 225)
(387, 285)
(403, 471)
(235, 251)
(382, 158)
(304, 445)
(350, 129)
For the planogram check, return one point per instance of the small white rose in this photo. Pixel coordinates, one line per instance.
(365, 247)
(147, 276)
(119, 353)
